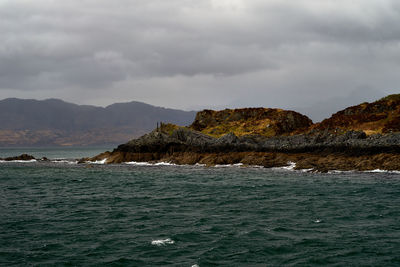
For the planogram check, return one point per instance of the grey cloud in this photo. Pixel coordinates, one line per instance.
(289, 53)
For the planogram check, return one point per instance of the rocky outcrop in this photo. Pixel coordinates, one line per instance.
(322, 152)
(24, 157)
(186, 140)
(362, 137)
(379, 117)
(260, 121)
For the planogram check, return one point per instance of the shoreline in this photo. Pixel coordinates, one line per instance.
(305, 163)
(320, 152)
(320, 162)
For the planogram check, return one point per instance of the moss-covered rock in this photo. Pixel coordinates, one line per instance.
(256, 121)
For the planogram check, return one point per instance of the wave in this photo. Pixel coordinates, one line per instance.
(290, 167)
(228, 165)
(162, 242)
(150, 164)
(103, 161)
(19, 161)
(382, 171)
(64, 161)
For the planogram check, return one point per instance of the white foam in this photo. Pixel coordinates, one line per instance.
(256, 166)
(162, 242)
(138, 163)
(307, 170)
(150, 164)
(18, 161)
(65, 161)
(200, 165)
(382, 171)
(290, 167)
(164, 164)
(318, 221)
(228, 165)
(103, 161)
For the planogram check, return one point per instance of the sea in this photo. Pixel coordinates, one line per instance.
(60, 213)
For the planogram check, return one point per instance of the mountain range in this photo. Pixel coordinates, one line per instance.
(53, 122)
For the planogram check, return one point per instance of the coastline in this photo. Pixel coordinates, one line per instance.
(309, 161)
(305, 163)
(320, 152)
(365, 137)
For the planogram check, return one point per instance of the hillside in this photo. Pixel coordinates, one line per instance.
(266, 122)
(55, 122)
(379, 117)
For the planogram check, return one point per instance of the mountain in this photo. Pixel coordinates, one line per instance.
(28, 122)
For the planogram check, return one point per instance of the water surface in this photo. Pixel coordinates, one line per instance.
(68, 214)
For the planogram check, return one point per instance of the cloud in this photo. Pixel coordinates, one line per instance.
(191, 54)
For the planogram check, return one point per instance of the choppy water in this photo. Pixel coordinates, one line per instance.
(63, 214)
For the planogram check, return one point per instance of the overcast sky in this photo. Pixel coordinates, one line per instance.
(312, 55)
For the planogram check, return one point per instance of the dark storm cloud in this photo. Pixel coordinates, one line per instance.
(210, 53)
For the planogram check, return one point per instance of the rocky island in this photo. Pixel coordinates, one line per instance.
(362, 137)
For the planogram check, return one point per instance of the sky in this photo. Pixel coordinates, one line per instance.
(309, 55)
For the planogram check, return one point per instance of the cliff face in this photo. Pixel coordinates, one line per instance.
(379, 117)
(266, 122)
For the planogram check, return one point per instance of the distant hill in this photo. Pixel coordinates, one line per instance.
(28, 122)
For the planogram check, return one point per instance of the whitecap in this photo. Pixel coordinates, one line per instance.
(318, 221)
(103, 161)
(228, 165)
(200, 165)
(164, 164)
(162, 242)
(382, 171)
(65, 161)
(150, 164)
(290, 167)
(138, 163)
(376, 170)
(18, 161)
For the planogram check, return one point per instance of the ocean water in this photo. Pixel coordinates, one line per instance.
(57, 213)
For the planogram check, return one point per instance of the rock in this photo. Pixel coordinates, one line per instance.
(382, 116)
(261, 121)
(272, 137)
(24, 157)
